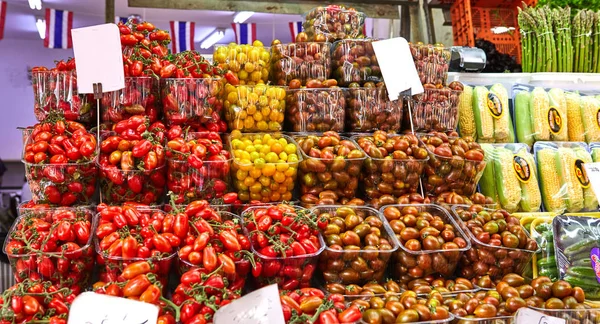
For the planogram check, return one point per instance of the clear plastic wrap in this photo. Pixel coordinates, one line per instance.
(540, 115)
(493, 122)
(435, 109)
(450, 168)
(56, 92)
(333, 22)
(250, 63)
(191, 102)
(354, 61)
(300, 62)
(270, 179)
(563, 181)
(369, 109)
(359, 262)
(139, 97)
(432, 62)
(587, 315)
(420, 253)
(258, 108)
(577, 251)
(510, 177)
(595, 151)
(334, 167)
(544, 261)
(315, 110)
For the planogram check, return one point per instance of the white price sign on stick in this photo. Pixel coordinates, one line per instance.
(397, 67)
(592, 175)
(92, 308)
(98, 58)
(261, 306)
(529, 316)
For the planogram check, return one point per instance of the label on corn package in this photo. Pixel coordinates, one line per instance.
(522, 169)
(494, 105)
(581, 174)
(554, 120)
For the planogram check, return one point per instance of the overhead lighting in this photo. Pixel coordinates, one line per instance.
(242, 16)
(41, 27)
(213, 38)
(35, 4)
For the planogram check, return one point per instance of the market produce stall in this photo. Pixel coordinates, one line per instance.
(291, 166)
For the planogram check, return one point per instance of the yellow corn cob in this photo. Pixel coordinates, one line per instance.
(483, 118)
(589, 197)
(539, 106)
(531, 197)
(554, 200)
(507, 183)
(559, 101)
(466, 117)
(502, 125)
(566, 158)
(574, 121)
(487, 182)
(589, 112)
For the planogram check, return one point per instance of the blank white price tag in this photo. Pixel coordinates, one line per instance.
(397, 67)
(258, 307)
(592, 171)
(92, 308)
(98, 58)
(529, 316)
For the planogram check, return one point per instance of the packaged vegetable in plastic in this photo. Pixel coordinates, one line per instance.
(333, 22)
(510, 177)
(466, 116)
(544, 261)
(577, 246)
(590, 110)
(563, 179)
(492, 116)
(541, 118)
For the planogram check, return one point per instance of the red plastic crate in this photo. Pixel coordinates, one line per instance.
(472, 19)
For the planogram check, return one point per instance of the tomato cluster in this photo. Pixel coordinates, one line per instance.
(59, 160)
(144, 46)
(132, 160)
(286, 241)
(53, 245)
(128, 234)
(197, 166)
(55, 91)
(34, 300)
(309, 305)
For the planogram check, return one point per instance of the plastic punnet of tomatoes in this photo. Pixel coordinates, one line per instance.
(264, 167)
(55, 91)
(359, 244)
(198, 167)
(437, 283)
(191, 101)
(59, 158)
(333, 22)
(369, 109)
(481, 305)
(406, 307)
(499, 244)
(449, 199)
(36, 302)
(431, 242)
(330, 162)
(128, 235)
(315, 109)
(139, 97)
(258, 108)
(222, 246)
(53, 244)
(455, 164)
(394, 163)
(366, 291)
(354, 61)
(295, 64)
(249, 64)
(286, 242)
(310, 305)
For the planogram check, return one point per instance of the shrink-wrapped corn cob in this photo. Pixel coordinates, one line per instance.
(492, 118)
(466, 117)
(590, 113)
(589, 197)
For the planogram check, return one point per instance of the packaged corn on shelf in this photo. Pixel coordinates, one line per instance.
(563, 181)
(484, 114)
(510, 177)
(555, 115)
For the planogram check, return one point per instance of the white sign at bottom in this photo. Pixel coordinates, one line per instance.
(92, 308)
(529, 316)
(258, 307)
